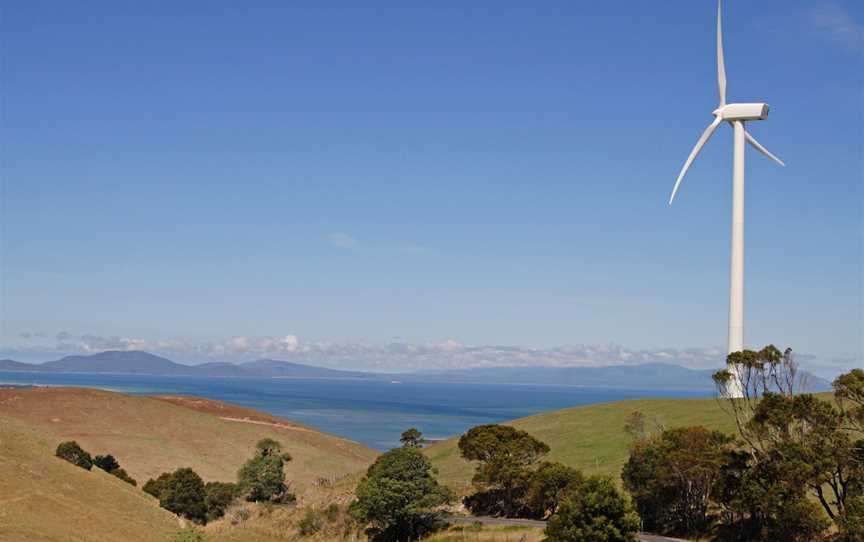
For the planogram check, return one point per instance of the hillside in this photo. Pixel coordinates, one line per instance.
(590, 438)
(43, 498)
(151, 435)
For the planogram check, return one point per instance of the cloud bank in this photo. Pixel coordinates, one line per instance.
(387, 356)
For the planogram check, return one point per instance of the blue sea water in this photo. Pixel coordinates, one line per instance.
(374, 412)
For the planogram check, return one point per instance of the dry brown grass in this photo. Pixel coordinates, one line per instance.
(153, 435)
(43, 498)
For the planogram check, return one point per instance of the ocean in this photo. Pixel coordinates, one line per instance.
(373, 412)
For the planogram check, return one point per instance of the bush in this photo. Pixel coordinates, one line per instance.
(399, 498)
(73, 453)
(597, 511)
(106, 462)
(217, 497)
(183, 494)
(154, 487)
(123, 475)
(262, 478)
(311, 523)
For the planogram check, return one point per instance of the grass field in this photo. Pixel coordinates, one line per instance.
(43, 498)
(153, 435)
(590, 438)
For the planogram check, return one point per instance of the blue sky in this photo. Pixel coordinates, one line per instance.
(366, 181)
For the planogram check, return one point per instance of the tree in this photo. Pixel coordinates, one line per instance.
(183, 494)
(504, 455)
(547, 487)
(268, 447)
(799, 446)
(596, 512)
(110, 465)
(671, 477)
(123, 475)
(412, 438)
(73, 453)
(398, 497)
(217, 497)
(262, 478)
(106, 462)
(154, 487)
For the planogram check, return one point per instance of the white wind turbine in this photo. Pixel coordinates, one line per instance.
(736, 115)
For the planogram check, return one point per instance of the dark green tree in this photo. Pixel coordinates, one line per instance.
(218, 496)
(399, 496)
(106, 462)
(412, 438)
(262, 478)
(547, 487)
(268, 447)
(671, 477)
(154, 487)
(596, 512)
(123, 475)
(183, 493)
(73, 453)
(504, 456)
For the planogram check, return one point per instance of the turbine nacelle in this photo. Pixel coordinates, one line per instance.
(733, 112)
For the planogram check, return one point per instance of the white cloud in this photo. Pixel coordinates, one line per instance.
(342, 240)
(398, 355)
(838, 25)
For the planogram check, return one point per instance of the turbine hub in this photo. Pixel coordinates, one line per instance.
(732, 112)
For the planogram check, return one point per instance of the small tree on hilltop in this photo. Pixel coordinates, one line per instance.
(597, 511)
(183, 493)
(399, 496)
(412, 438)
(73, 453)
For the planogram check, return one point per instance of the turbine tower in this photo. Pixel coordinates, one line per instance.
(736, 114)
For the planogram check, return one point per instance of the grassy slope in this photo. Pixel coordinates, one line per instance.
(590, 438)
(150, 435)
(43, 498)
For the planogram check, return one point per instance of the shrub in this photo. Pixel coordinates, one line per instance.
(597, 511)
(106, 462)
(398, 498)
(154, 487)
(311, 523)
(73, 453)
(123, 475)
(218, 496)
(262, 478)
(183, 494)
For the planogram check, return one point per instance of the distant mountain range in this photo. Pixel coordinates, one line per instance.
(655, 376)
(144, 363)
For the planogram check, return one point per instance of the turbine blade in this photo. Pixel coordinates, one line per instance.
(699, 144)
(721, 64)
(760, 148)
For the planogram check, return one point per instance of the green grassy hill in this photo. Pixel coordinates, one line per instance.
(590, 438)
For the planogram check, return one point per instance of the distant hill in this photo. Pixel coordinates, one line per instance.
(136, 362)
(652, 376)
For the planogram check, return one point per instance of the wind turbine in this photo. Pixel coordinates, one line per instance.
(736, 114)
